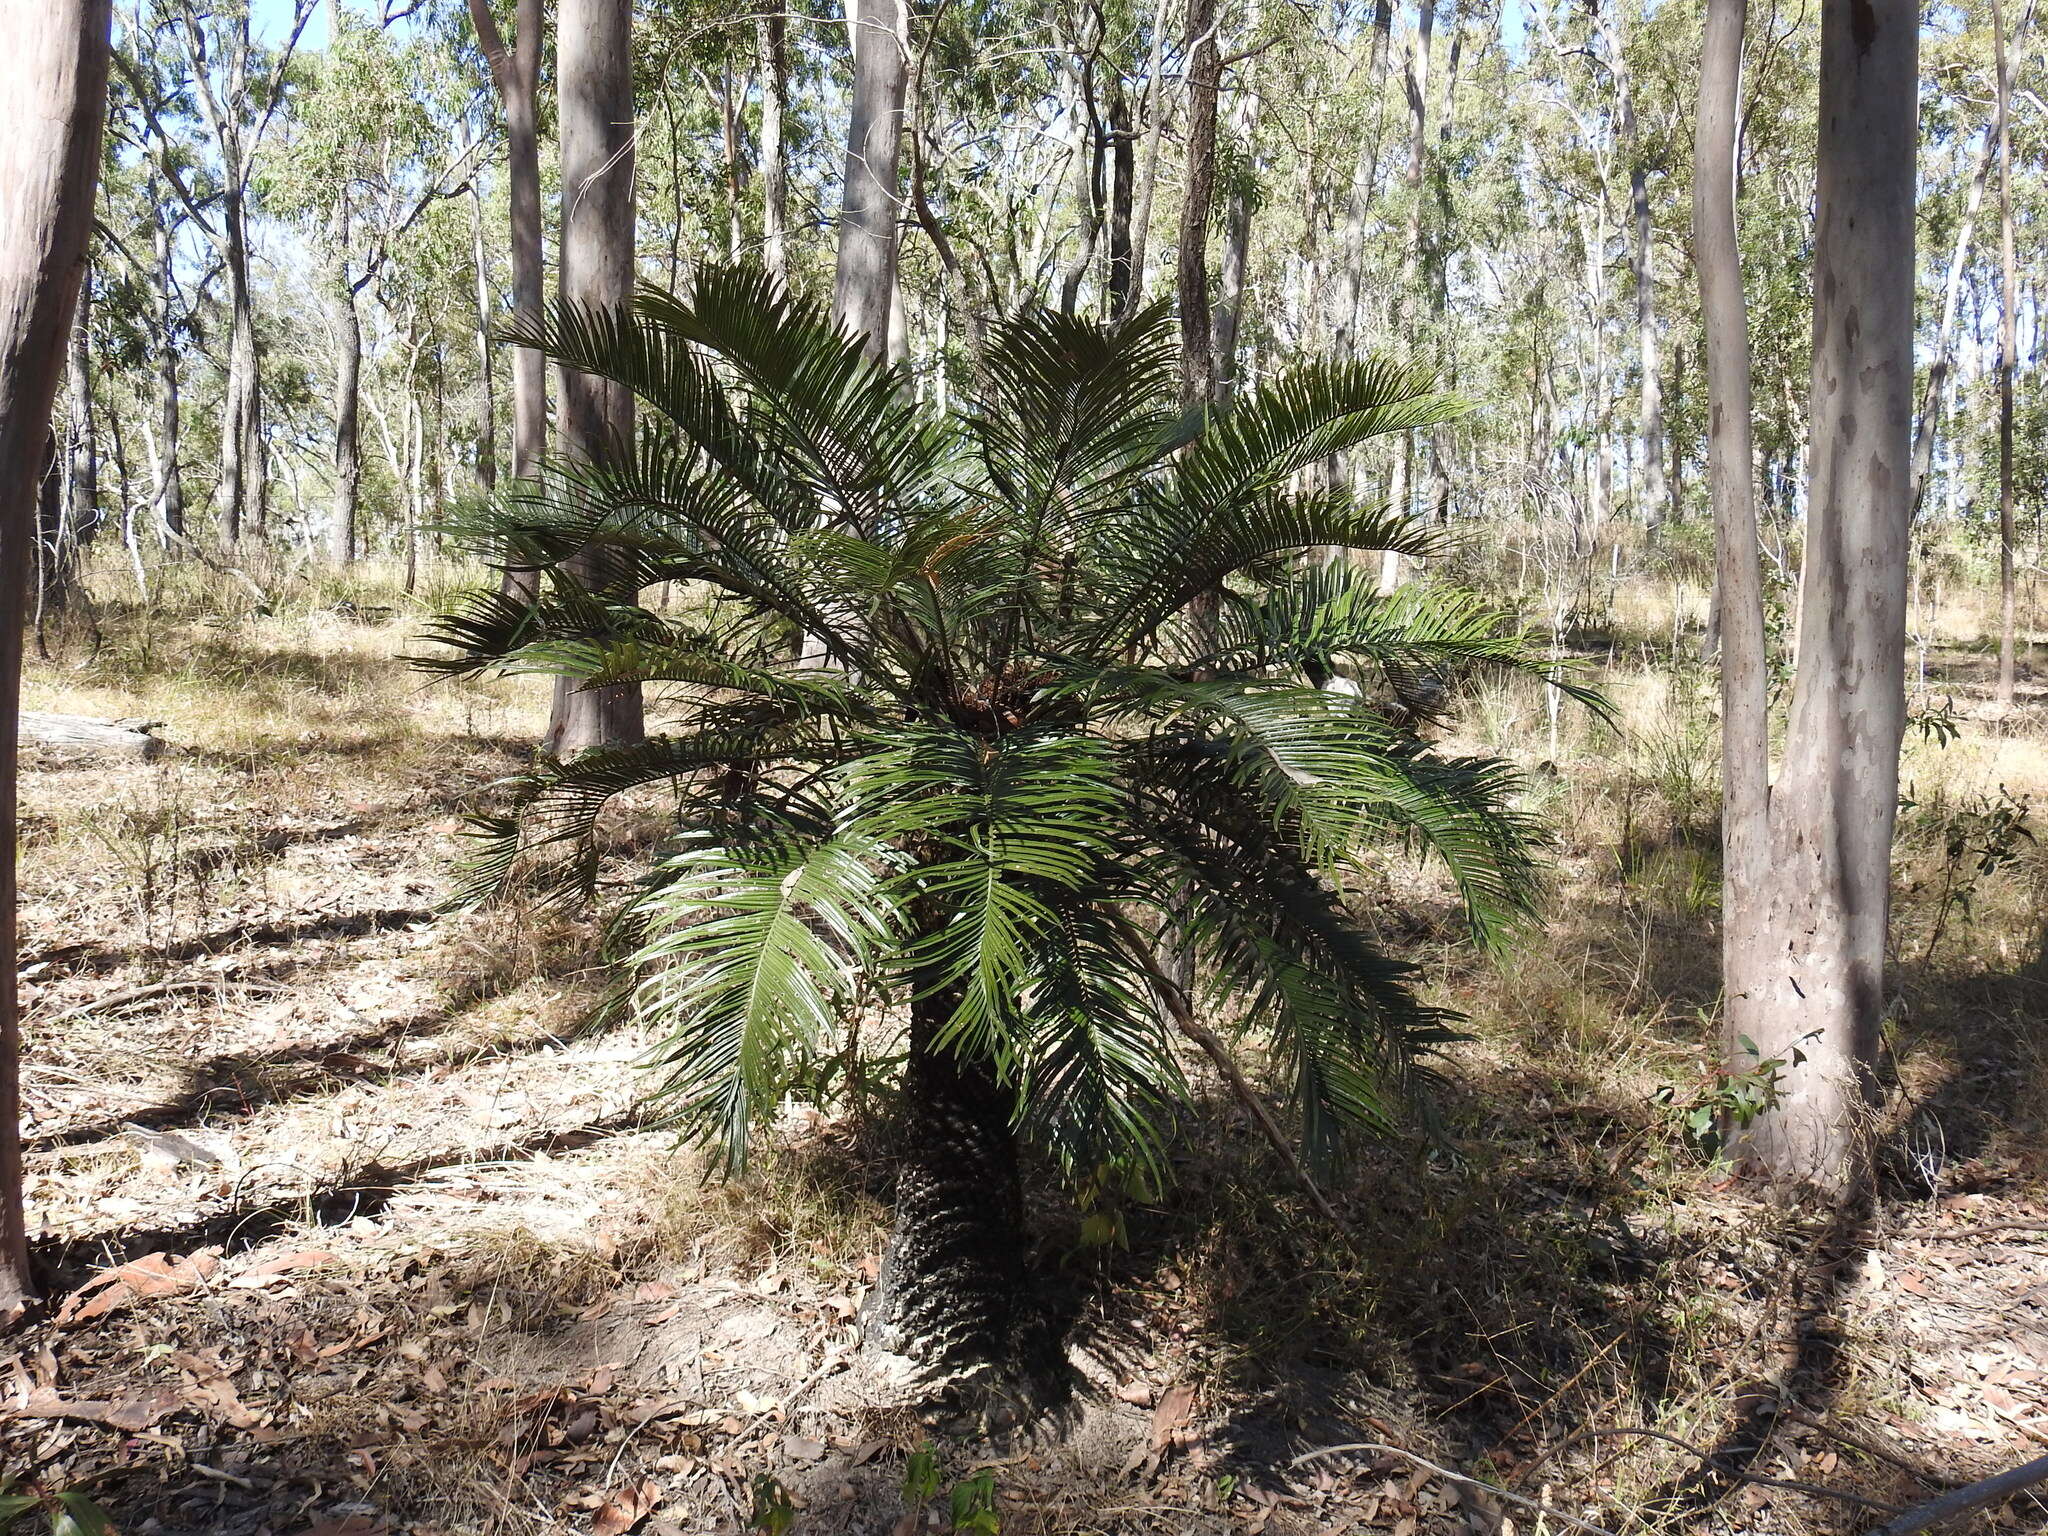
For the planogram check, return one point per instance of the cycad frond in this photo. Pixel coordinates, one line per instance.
(751, 954)
(1419, 641)
(1168, 552)
(1001, 833)
(1097, 1074)
(555, 833)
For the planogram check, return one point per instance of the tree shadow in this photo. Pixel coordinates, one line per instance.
(62, 1264)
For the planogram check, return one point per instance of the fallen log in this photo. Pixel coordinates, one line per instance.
(81, 733)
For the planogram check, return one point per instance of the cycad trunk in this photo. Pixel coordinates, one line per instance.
(951, 1277)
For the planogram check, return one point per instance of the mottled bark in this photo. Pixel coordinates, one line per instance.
(1806, 974)
(53, 73)
(595, 67)
(864, 283)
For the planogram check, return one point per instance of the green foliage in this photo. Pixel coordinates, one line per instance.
(1729, 1100)
(921, 1476)
(69, 1513)
(974, 1506)
(1073, 686)
(773, 1513)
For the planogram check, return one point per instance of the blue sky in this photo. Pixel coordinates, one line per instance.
(272, 19)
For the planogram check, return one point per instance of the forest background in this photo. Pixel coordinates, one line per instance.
(454, 1259)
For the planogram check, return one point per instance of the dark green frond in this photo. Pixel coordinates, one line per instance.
(752, 953)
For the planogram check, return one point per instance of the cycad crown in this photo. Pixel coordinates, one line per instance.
(955, 726)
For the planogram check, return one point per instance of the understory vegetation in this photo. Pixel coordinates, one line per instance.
(404, 1249)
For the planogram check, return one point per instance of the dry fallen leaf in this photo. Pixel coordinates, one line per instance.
(1175, 1404)
(625, 1508)
(133, 1414)
(271, 1269)
(154, 1274)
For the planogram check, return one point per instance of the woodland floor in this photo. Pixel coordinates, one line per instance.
(353, 1225)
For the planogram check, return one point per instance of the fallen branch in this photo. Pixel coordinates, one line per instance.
(1174, 996)
(1856, 1443)
(86, 734)
(1984, 1229)
(158, 989)
(1525, 1502)
(1963, 1501)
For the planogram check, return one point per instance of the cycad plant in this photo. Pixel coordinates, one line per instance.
(989, 727)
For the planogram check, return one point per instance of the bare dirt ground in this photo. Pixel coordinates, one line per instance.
(352, 1224)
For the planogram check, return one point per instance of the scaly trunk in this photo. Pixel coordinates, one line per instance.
(54, 72)
(949, 1292)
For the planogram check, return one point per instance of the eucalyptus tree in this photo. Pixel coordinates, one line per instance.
(376, 136)
(1021, 759)
(1806, 894)
(54, 71)
(239, 86)
(594, 73)
(864, 287)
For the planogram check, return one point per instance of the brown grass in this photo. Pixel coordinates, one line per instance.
(527, 1299)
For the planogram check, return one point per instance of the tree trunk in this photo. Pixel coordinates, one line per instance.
(2008, 343)
(1416, 86)
(348, 445)
(170, 482)
(953, 1270)
(770, 34)
(516, 72)
(54, 71)
(84, 520)
(1154, 118)
(486, 380)
(1123, 162)
(1806, 981)
(1085, 137)
(1228, 317)
(1365, 177)
(241, 425)
(864, 285)
(1951, 292)
(1735, 618)
(1205, 75)
(594, 57)
(1642, 259)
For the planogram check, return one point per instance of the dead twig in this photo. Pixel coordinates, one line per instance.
(1961, 1501)
(1791, 1485)
(1856, 1443)
(1456, 1477)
